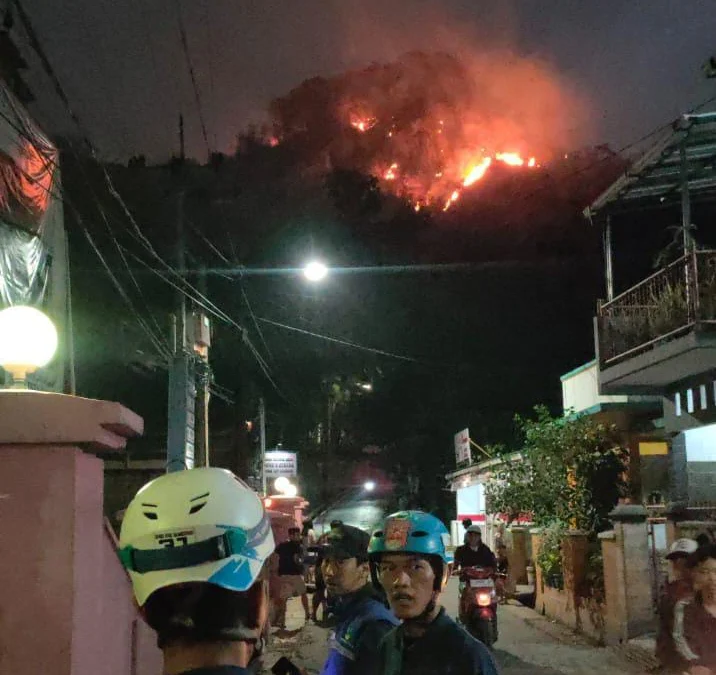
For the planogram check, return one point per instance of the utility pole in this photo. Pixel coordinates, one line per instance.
(262, 435)
(202, 342)
(182, 377)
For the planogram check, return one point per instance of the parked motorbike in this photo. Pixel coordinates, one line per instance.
(478, 603)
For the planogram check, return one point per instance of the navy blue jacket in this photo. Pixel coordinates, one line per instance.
(363, 621)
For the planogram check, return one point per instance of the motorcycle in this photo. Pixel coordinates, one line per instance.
(478, 603)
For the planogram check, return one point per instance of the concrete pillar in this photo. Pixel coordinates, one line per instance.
(678, 474)
(574, 560)
(60, 612)
(630, 593)
(517, 555)
(536, 535)
(614, 596)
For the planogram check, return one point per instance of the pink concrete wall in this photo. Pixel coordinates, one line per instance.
(65, 602)
(37, 526)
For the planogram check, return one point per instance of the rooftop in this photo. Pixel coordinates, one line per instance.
(686, 148)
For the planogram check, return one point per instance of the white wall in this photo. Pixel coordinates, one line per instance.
(470, 500)
(580, 390)
(701, 444)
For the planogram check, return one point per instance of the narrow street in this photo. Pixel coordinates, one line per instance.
(528, 643)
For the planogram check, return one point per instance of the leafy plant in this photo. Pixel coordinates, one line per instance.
(571, 469)
(549, 557)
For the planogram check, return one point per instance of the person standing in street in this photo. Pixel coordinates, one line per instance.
(362, 617)
(410, 560)
(694, 627)
(195, 545)
(676, 588)
(290, 575)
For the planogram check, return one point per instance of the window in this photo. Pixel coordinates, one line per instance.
(704, 399)
(677, 404)
(690, 400)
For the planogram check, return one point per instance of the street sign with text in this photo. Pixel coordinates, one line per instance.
(462, 446)
(280, 463)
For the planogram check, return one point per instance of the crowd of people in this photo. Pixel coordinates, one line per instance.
(200, 564)
(200, 569)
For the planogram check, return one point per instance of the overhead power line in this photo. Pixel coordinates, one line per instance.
(352, 345)
(137, 232)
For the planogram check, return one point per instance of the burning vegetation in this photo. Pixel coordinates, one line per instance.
(426, 127)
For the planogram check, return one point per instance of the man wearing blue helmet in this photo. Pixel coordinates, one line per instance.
(409, 559)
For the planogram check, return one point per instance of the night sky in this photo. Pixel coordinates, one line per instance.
(635, 63)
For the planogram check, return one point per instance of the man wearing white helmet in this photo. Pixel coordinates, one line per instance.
(474, 553)
(195, 544)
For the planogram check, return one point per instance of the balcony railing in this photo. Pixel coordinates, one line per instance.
(664, 306)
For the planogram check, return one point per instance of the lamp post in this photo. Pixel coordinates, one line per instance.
(28, 341)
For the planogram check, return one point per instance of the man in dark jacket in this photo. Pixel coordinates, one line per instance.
(677, 588)
(474, 553)
(411, 562)
(363, 618)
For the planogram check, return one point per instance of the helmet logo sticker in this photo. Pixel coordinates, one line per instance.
(396, 533)
(172, 539)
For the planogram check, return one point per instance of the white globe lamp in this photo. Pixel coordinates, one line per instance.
(291, 490)
(28, 341)
(281, 483)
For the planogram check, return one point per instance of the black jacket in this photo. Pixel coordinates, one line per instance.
(444, 649)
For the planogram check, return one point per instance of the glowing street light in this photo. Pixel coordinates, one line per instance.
(28, 341)
(315, 271)
(281, 483)
(284, 486)
(369, 486)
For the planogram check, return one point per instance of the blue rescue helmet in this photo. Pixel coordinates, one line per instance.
(413, 532)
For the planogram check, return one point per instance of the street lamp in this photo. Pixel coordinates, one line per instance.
(281, 483)
(28, 341)
(315, 271)
(369, 486)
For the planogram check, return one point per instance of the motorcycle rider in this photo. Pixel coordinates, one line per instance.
(474, 553)
(409, 558)
(363, 618)
(195, 544)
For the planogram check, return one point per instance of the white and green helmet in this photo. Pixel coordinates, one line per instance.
(201, 525)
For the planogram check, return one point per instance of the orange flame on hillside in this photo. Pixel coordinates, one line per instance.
(362, 124)
(478, 171)
(447, 181)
